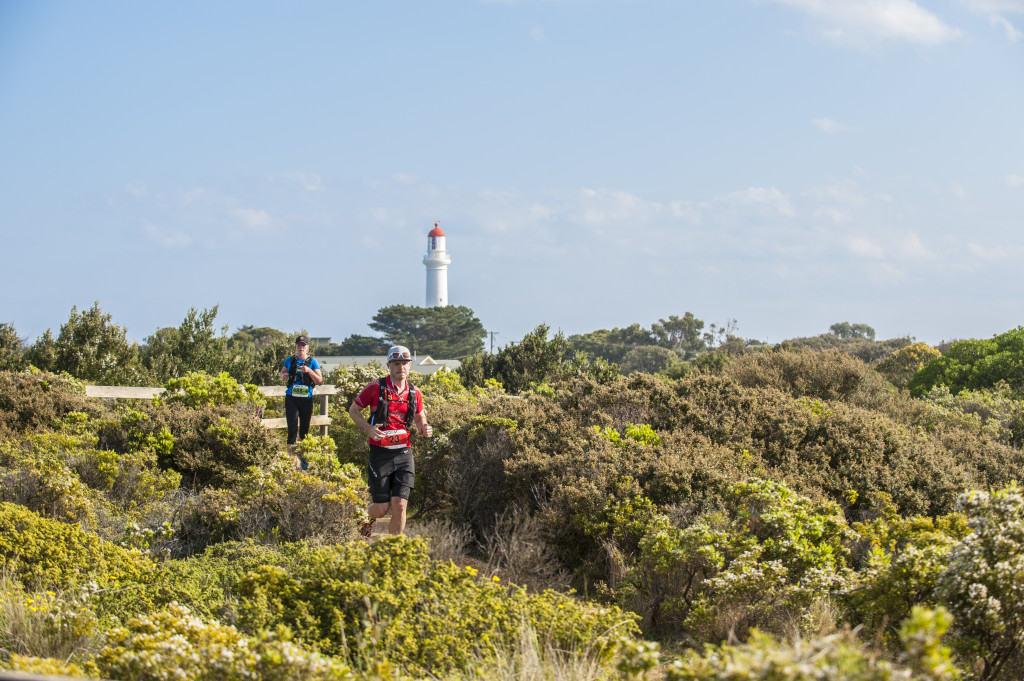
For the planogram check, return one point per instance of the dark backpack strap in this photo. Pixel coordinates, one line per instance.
(380, 414)
(410, 411)
(306, 378)
(291, 370)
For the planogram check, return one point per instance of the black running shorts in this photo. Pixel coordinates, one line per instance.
(391, 473)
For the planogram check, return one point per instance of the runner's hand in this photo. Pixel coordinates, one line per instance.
(427, 430)
(375, 433)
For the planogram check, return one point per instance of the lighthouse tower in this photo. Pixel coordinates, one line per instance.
(437, 261)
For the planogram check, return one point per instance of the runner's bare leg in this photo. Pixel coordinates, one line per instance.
(397, 524)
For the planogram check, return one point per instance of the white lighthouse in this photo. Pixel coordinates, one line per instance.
(437, 261)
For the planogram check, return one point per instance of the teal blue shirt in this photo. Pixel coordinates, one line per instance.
(301, 379)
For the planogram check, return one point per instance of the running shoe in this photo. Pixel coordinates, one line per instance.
(366, 529)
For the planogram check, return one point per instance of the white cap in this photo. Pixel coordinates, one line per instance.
(399, 353)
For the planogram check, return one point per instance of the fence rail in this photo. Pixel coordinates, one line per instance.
(120, 392)
(23, 676)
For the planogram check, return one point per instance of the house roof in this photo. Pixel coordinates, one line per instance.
(424, 365)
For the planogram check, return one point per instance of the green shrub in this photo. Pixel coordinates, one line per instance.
(389, 598)
(995, 412)
(277, 503)
(974, 365)
(206, 583)
(462, 467)
(838, 657)
(63, 476)
(34, 401)
(903, 559)
(441, 386)
(213, 445)
(349, 440)
(173, 644)
(984, 578)
(50, 553)
(349, 380)
(899, 367)
(829, 375)
(768, 563)
(290, 505)
(37, 475)
(198, 389)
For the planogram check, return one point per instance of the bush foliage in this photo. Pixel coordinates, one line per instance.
(765, 502)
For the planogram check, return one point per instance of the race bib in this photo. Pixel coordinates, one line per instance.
(301, 391)
(395, 439)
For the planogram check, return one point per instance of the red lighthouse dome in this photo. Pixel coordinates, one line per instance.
(436, 231)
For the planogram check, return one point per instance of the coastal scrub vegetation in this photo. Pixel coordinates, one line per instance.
(836, 507)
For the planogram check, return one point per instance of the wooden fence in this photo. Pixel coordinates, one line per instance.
(321, 420)
(23, 676)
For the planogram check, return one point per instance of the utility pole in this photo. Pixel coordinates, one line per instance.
(493, 334)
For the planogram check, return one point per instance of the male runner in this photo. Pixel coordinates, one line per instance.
(395, 405)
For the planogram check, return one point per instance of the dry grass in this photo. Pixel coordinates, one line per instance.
(44, 624)
(517, 551)
(527, 659)
(448, 541)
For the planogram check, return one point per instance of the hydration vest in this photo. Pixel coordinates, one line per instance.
(380, 415)
(293, 369)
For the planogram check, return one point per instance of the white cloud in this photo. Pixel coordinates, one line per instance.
(763, 196)
(1012, 34)
(600, 206)
(168, 238)
(136, 189)
(196, 194)
(252, 218)
(537, 33)
(685, 210)
(828, 125)
(911, 246)
(1015, 181)
(833, 214)
(996, 6)
(846, 22)
(309, 181)
(387, 216)
(957, 190)
(995, 9)
(539, 212)
(864, 248)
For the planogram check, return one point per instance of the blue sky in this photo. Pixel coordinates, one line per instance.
(784, 163)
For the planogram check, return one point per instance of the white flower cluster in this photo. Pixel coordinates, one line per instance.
(983, 583)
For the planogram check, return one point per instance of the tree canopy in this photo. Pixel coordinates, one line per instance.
(532, 361)
(357, 345)
(90, 347)
(450, 332)
(11, 350)
(851, 339)
(192, 346)
(681, 335)
(975, 364)
(846, 331)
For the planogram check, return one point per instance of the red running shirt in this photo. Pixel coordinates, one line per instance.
(398, 435)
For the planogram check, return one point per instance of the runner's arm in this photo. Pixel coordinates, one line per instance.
(356, 413)
(426, 430)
